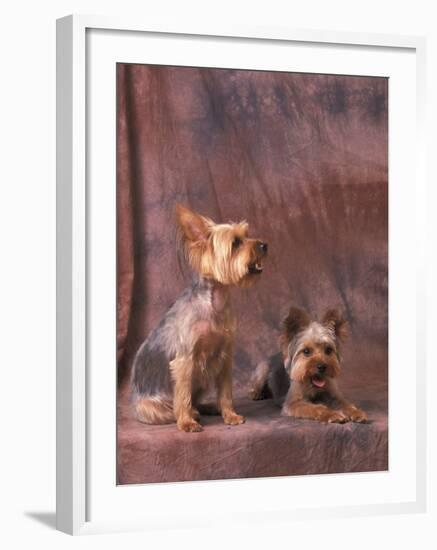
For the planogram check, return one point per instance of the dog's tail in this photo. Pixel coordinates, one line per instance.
(154, 410)
(258, 386)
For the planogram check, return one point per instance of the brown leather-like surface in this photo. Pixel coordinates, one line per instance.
(303, 158)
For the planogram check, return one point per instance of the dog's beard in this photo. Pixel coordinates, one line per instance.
(232, 269)
(301, 372)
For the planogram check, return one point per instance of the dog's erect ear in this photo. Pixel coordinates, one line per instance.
(336, 321)
(296, 320)
(194, 227)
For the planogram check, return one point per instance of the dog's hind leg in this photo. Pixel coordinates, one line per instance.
(258, 387)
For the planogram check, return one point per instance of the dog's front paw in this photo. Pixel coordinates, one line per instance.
(334, 416)
(233, 419)
(189, 425)
(357, 415)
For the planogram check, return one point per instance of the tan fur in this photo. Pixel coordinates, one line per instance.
(154, 411)
(305, 367)
(210, 364)
(209, 250)
(197, 334)
(306, 370)
(313, 344)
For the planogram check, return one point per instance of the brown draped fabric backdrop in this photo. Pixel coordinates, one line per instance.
(303, 158)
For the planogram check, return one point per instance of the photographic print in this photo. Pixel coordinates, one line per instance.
(252, 273)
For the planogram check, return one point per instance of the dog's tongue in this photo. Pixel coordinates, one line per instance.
(318, 382)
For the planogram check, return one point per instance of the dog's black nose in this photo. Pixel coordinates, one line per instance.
(262, 247)
(321, 368)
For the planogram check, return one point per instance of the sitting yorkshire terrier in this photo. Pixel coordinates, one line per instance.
(191, 348)
(302, 378)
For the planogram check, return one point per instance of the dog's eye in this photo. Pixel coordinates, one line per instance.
(306, 351)
(328, 350)
(236, 243)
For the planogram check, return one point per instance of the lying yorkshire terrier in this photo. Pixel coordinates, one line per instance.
(302, 378)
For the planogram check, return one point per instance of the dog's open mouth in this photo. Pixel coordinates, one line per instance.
(317, 381)
(256, 268)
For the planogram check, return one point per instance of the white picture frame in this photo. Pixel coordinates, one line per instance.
(75, 470)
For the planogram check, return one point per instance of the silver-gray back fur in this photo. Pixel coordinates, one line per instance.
(174, 336)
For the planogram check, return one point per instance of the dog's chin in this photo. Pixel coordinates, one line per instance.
(253, 272)
(249, 279)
